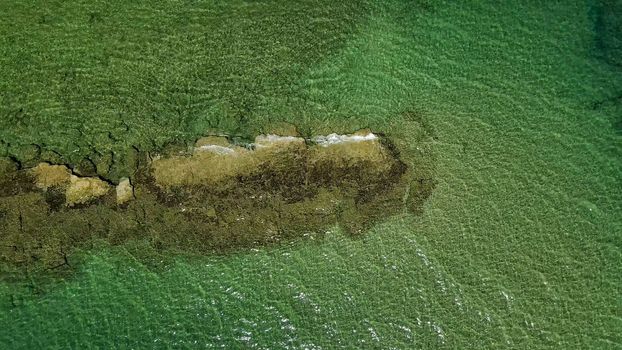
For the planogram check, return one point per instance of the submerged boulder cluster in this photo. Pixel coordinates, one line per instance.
(77, 190)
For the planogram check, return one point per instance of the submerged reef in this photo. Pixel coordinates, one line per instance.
(215, 196)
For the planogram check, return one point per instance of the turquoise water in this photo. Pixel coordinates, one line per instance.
(519, 245)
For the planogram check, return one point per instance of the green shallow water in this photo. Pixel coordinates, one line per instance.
(519, 245)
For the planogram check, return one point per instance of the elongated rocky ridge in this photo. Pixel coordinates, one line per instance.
(212, 197)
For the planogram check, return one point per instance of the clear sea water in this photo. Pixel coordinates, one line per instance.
(519, 246)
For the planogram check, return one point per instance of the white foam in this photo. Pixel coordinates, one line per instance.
(265, 140)
(215, 149)
(333, 139)
(276, 138)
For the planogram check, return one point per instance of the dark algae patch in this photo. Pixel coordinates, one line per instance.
(213, 197)
(607, 30)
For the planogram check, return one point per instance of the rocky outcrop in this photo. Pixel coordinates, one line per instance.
(214, 196)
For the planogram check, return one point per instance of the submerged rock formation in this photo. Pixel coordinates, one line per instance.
(215, 196)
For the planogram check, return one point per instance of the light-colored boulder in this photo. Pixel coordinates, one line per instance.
(125, 191)
(82, 190)
(47, 175)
